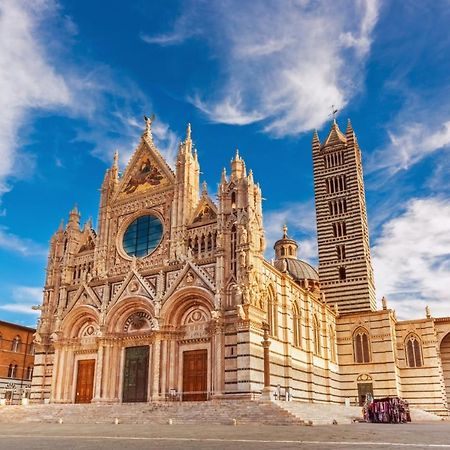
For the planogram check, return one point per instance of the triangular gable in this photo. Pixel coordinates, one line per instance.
(191, 275)
(146, 170)
(84, 296)
(87, 242)
(205, 212)
(133, 285)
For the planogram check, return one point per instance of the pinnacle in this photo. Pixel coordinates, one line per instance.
(316, 137)
(188, 132)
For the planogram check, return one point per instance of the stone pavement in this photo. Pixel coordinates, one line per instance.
(211, 437)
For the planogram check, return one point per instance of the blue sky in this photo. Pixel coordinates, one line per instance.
(76, 78)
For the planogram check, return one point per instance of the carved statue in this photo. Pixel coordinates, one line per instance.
(242, 259)
(244, 235)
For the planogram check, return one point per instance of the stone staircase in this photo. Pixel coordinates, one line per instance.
(322, 414)
(211, 412)
(419, 415)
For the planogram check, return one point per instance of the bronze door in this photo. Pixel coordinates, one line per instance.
(195, 366)
(135, 375)
(85, 381)
(364, 389)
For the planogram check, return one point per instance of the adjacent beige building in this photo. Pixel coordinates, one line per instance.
(170, 296)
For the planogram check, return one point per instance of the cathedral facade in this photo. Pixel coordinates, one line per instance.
(171, 297)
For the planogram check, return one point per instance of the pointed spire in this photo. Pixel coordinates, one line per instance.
(349, 126)
(237, 166)
(223, 179)
(74, 218)
(148, 126)
(335, 135)
(316, 141)
(349, 132)
(88, 224)
(115, 166)
(250, 176)
(61, 226)
(188, 132)
(204, 188)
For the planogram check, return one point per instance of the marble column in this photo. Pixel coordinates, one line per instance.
(266, 349)
(98, 373)
(156, 355)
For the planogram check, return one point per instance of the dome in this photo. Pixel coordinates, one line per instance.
(298, 269)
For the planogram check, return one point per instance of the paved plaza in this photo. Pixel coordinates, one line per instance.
(211, 437)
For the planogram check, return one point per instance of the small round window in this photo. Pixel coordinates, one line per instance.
(142, 236)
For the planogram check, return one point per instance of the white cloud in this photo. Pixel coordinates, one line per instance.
(35, 82)
(301, 222)
(24, 297)
(412, 258)
(410, 144)
(22, 246)
(28, 81)
(283, 62)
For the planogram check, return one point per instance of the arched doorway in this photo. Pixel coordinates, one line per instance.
(445, 358)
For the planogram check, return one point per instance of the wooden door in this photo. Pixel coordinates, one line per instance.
(364, 389)
(195, 367)
(85, 381)
(135, 376)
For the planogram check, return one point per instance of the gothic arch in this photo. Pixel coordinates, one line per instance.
(315, 334)
(78, 318)
(296, 324)
(272, 310)
(413, 350)
(444, 348)
(121, 312)
(185, 301)
(361, 345)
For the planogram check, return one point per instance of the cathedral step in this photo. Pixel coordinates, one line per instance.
(322, 413)
(213, 412)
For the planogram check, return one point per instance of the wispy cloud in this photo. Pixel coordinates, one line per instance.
(300, 220)
(23, 298)
(412, 258)
(181, 32)
(409, 144)
(28, 80)
(282, 62)
(18, 245)
(40, 78)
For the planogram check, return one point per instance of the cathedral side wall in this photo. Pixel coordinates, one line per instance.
(422, 386)
(381, 370)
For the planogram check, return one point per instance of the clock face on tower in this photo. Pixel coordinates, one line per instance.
(142, 236)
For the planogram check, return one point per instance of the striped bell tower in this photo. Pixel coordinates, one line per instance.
(345, 267)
